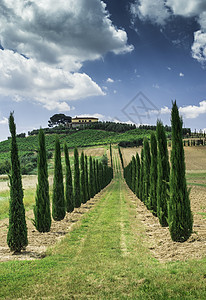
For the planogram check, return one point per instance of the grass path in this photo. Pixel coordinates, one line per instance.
(104, 257)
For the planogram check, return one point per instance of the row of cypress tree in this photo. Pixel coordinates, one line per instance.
(87, 182)
(163, 188)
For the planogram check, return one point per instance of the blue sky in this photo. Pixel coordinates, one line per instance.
(118, 60)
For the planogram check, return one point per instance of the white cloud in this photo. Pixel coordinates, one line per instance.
(4, 121)
(187, 8)
(115, 91)
(193, 111)
(110, 80)
(26, 78)
(159, 12)
(169, 68)
(189, 112)
(64, 33)
(181, 74)
(156, 11)
(57, 37)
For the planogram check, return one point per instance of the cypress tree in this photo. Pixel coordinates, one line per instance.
(141, 175)
(153, 175)
(163, 170)
(137, 175)
(91, 178)
(146, 171)
(95, 176)
(82, 179)
(133, 166)
(179, 213)
(77, 196)
(58, 201)
(42, 211)
(86, 179)
(98, 176)
(17, 233)
(69, 197)
(111, 155)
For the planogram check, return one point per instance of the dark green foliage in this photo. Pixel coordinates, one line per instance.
(137, 185)
(95, 177)
(163, 170)
(146, 172)
(141, 175)
(104, 160)
(133, 174)
(77, 196)
(134, 143)
(179, 214)
(86, 179)
(82, 180)
(152, 204)
(121, 158)
(58, 202)
(98, 177)
(17, 233)
(111, 155)
(69, 197)
(91, 178)
(42, 213)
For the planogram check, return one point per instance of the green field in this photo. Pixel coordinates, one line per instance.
(82, 138)
(104, 257)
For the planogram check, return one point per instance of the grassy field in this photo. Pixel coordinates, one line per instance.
(104, 257)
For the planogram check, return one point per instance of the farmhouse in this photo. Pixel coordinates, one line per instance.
(78, 121)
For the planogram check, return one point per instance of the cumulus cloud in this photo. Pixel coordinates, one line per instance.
(181, 74)
(55, 38)
(60, 32)
(25, 78)
(159, 12)
(156, 11)
(189, 111)
(193, 111)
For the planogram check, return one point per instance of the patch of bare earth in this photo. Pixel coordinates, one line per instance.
(39, 242)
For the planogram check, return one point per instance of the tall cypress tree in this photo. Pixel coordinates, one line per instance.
(86, 179)
(58, 201)
(42, 211)
(152, 205)
(133, 174)
(77, 196)
(146, 171)
(137, 186)
(163, 170)
(141, 185)
(95, 176)
(69, 197)
(111, 155)
(17, 233)
(98, 176)
(91, 178)
(82, 179)
(179, 213)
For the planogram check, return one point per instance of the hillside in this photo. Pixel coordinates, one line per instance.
(83, 138)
